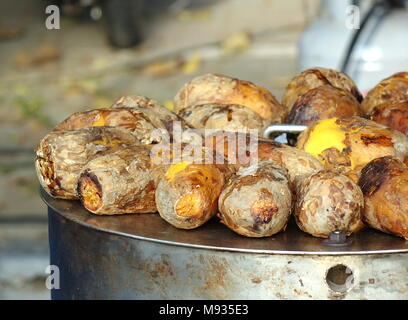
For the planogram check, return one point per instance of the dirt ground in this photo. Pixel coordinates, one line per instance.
(45, 75)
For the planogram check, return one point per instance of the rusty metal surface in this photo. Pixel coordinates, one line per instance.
(215, 236)
(99, 265)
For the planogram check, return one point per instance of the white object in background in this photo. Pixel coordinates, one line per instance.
(381, 50)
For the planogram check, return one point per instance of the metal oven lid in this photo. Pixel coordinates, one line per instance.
(215, 236)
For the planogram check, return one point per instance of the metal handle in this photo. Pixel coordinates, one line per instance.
(283, 128)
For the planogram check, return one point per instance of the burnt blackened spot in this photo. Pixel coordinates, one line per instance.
(380, 140)
(88, 177)
(263, 213)
(374, 174)
(357, 94)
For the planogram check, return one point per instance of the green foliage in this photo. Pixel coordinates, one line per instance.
(33, 109)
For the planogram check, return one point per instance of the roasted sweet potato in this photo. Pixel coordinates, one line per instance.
(220, 89)
(350, 143)
(138, 114)
(393, 115)
(118, 183)
(61, 155)
(229, 117)
(323, 103)
(328, 201)
(298, 163)
(391, 89)
(257, 202)
(235, 148)
(316, 77)
(243, 150)
(384, 182)
(187, 194)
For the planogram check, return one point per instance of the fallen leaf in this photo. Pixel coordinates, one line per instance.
(22, 59)
(163, 67)
(194, 15)
(46, 53)
(236, 43)
(9, 33)
(100, 63)
(192, 64)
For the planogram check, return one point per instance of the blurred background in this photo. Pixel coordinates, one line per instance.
(103, 49)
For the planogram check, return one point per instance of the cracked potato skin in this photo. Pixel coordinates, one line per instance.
(257, 202)
(328, 201)
(393, 115)
(391, 89)
(316, 77)
(229, 117)
(220, 89)
(137, 114)
(323, 103)
(297, 162)
(349, 143)
(61, 155)
(118, 183)
(384, 182)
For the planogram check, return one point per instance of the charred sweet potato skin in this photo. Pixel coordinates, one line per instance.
(328, 201)
(257, 202)
(391, 89)
(61, 155)
(119, 183)
(230, 117)
(384, 182)
(323, 103)
(316, 77)
(393, 115)
(220, 89)
(362, 140)
(297, 162)
(137, 114)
